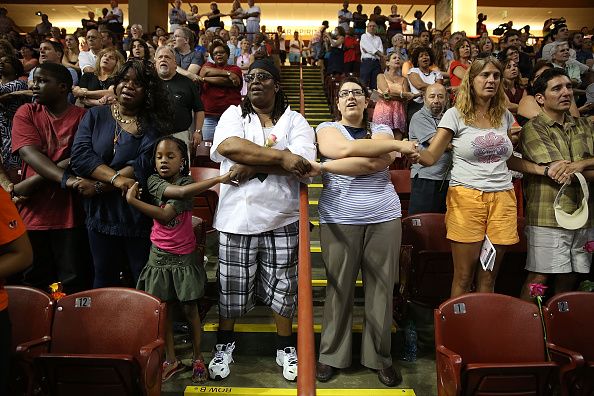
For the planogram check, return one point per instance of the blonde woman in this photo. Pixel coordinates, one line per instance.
(243, 61)
(96, 88)
(480, 200)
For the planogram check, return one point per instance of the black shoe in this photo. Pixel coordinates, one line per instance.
(389, 376)
(324, 372)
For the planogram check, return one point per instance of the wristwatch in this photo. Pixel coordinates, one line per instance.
(228, 74)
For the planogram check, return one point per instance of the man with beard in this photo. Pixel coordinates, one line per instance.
(429, 184)
(185, 98)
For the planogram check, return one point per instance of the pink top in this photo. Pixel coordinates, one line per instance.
(177, 237)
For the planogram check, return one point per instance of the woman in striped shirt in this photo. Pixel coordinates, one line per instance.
(360, 230)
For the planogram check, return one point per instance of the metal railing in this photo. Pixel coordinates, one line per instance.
(306, 379)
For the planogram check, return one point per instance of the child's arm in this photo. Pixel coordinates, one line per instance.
(193, 189)
(162, 215)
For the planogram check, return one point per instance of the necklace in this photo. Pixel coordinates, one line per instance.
(116, 135)
(118, 116)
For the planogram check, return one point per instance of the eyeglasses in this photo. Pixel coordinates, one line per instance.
(345, 92)
(249, 78)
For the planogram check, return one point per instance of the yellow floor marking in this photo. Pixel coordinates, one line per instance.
(236, 391)
(324, 282)
(313, 201)
(315, 185)
(271, 327)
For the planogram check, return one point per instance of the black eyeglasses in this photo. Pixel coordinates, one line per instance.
(345, 92)
(249, 78)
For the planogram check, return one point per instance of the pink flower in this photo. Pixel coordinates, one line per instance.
(537, 289)
(589, 247)
(271, 140)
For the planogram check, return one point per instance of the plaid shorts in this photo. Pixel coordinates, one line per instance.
(266, 263)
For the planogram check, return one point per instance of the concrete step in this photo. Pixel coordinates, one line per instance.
(260, 375)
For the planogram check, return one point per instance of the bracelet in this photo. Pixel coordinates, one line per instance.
(198, 131)
(546, 171)
(321, 168)
(401, 95)
(114, 177)
(98, 187)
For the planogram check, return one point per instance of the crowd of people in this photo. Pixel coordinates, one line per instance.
(99, 129)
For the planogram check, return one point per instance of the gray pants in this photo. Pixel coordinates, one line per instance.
(375, 250)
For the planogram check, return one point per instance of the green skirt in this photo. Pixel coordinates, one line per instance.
(173, 277)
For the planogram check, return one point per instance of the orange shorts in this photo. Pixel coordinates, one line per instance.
(473, 213)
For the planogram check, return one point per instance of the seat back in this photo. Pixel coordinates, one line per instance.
(205, 203)
(569, 319)
(401, 180)
(512, 273)
(31, 313)
(201, 158)
(490, 328)
(431, 272)
(107, 321)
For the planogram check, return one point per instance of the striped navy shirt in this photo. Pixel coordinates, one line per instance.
(357, 200)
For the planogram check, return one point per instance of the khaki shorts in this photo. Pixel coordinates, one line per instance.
(557, 250)
(472, 214)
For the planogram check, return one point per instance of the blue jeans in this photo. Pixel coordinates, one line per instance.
(209, 126)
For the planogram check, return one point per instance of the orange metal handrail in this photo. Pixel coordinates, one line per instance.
(306, 378)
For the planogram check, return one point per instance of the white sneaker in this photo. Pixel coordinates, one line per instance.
(218, 368)
(287, 359)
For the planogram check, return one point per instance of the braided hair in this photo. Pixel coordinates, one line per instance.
(280, 105)
(183, 148)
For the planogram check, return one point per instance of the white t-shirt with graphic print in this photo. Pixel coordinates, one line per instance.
(479, 154)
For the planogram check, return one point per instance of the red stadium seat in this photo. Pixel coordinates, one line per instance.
(569, 319)
(205, 204)
(512, 273)
(31, 313)
(491, 344)
(105, 342)
(401, 181)
(427, 279)
(201, 157)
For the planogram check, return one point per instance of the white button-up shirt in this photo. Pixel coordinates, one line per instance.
(257, 206)
(86, 59)
(370, 45)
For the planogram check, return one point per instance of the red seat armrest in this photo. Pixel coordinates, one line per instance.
(449, 365)
(24, 349)
(150, 362)
(567, 359)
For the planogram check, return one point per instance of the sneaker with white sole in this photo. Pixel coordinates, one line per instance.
(218, 368)
(287, 359)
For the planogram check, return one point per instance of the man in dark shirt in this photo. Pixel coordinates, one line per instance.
(185, 98)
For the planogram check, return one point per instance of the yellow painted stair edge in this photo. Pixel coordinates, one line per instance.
(236, 391)
(271, 327)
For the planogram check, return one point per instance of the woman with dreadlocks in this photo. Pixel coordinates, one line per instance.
(359, 230)
(267, 147)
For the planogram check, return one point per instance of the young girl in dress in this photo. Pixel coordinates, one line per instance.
(173, 272)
